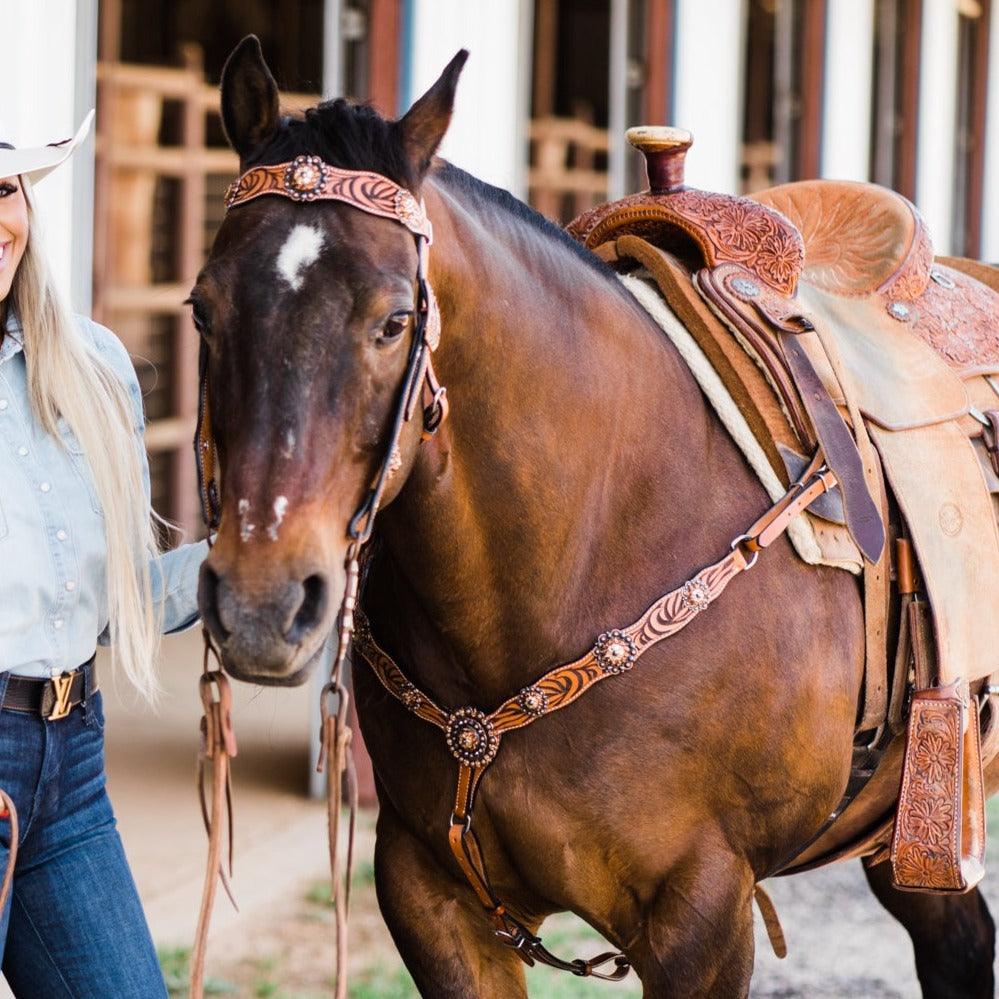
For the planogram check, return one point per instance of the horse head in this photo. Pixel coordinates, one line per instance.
(307, 314)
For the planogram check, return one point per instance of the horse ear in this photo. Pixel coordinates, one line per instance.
(249, 97)
(424, 124)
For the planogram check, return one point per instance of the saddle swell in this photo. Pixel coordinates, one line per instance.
(821, 308)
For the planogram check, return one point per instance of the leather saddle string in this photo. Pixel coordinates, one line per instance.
(9, 812)
(218, 746)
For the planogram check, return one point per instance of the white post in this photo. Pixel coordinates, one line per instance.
(44, 65)
(487, 130)
(847, 95)
(710, 57)
(617, 104)
(937, 120)
(990, 206)
(332, 48)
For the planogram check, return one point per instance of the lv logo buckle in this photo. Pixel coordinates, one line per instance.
(61, 686)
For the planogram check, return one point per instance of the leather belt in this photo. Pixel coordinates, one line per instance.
(54, 698)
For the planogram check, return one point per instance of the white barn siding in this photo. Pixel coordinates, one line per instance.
(710, 55)
(937, 120)
(847, 97)
(488, 132)
(50, 51)
(990, 221)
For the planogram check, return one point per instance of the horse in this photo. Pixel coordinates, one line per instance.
(581, 473)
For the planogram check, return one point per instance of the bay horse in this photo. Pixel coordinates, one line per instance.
(580, 475)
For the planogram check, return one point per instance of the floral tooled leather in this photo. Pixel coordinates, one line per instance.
(959, 319)
(727, 229)
(926, 843)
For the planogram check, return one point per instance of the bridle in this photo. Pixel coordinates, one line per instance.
(308, 179)
(472, 736)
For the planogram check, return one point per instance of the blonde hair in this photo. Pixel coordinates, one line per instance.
(68, 378)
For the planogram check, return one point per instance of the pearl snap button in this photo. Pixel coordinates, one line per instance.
(3, 404)
(61, 534)
(70, 585)
(45, 487)
(22, 451)
(57, 623)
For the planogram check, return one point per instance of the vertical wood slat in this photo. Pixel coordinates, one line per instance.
(383, 55)
(975, 189)
(545, 57)
(660, 28)
(911, 31)
(190, 245)
(811, 77)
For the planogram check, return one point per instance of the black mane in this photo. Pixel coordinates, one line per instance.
(356, 137)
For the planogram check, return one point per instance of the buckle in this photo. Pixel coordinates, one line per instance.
(57, 697)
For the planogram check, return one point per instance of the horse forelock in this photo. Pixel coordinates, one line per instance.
(345, 134)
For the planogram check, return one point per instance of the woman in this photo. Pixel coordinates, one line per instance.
(80, 566)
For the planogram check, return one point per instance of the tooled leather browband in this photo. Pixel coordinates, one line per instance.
(308, 178)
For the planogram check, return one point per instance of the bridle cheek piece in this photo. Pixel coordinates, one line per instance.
(310, 179)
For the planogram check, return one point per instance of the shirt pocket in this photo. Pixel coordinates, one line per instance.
(79, 462)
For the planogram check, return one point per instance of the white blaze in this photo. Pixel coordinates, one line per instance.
(300, 249)
(280, 506)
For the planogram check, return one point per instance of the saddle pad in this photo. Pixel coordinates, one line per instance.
(816, 541)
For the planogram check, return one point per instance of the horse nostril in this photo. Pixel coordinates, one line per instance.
(311, 611)
(208, 587)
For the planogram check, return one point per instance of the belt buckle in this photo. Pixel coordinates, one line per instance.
(60, 692)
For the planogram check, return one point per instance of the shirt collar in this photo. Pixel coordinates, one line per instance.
(13, 341)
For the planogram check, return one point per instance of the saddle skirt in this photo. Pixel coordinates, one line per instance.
(824, 288)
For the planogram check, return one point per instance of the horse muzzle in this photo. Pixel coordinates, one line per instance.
(268, 633)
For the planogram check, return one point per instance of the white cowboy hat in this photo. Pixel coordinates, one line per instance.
(36, 163)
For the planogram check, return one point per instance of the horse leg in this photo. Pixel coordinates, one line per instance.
(438, 926)
(696, 940)
(953, 937)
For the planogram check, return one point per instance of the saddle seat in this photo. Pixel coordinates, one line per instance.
(859, 238)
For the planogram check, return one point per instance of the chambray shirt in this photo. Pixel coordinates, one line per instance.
(53, 551)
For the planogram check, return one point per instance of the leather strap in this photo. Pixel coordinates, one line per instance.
(729, 283)
(53, 698)
(473, 737)
(218, 747)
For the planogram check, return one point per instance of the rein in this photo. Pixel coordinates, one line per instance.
(472, 736)
(308, 178)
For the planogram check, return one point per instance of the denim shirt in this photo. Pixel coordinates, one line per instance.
(53, 551)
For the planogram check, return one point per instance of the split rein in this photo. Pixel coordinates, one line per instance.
(472, 736)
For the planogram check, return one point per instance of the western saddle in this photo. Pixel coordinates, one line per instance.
(822, 310)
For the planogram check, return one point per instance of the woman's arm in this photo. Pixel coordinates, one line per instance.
(174, 574)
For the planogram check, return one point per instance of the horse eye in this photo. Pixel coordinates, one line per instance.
(198, 315)
(394, 327)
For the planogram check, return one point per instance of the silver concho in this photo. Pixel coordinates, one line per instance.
(407, 208)
(471, 737)
(744, 287)
(533, 701)
(615, 652)
(695, 594)
(411, 697)
(899, 311)
(305, 177)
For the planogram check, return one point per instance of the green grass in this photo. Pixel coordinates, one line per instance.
(175, 963)
(320, 893)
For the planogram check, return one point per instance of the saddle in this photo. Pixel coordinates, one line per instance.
(820, 307)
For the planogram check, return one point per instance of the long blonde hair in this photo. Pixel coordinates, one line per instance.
(68, 378)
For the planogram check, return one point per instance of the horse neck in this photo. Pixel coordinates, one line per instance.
(556, 502)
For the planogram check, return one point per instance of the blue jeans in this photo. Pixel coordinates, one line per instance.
(73, 926)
